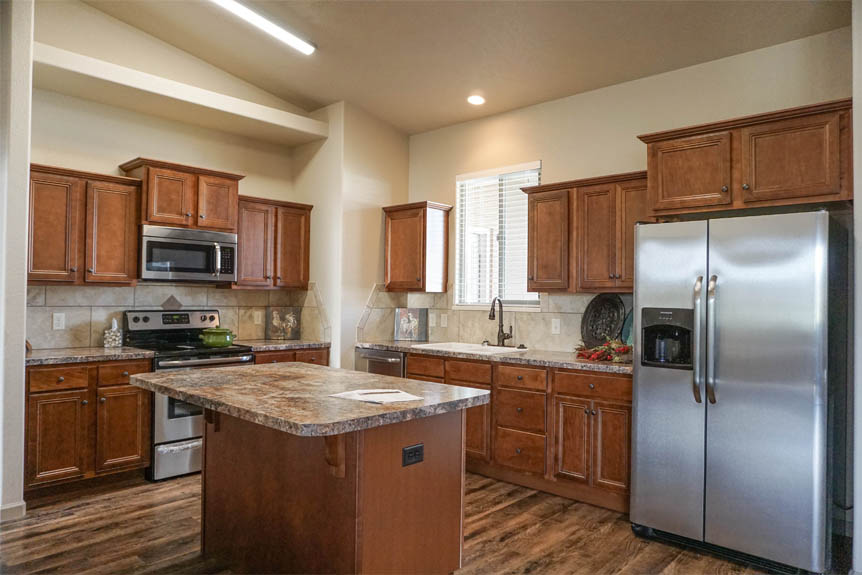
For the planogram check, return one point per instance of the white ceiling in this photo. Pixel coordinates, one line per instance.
(413, 63)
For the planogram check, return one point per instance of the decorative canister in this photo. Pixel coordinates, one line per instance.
(113, 336)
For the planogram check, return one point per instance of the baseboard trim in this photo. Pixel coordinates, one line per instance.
(12, 511)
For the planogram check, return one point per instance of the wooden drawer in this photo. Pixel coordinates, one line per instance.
(469, 372)
(274, 357)
(54, 379)
(118, 373)
(421, 365)
(520, 450)
(522, 377)
(316, 356)
(589, 385)
(523, 410)
(426, 378)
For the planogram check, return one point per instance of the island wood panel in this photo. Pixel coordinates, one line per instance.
(256, 232)
(112, 233)
(549, 215)
(122, 428)
(217, 203)
(54, 227)
(293, 515)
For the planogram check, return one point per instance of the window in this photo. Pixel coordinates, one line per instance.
(491, 236)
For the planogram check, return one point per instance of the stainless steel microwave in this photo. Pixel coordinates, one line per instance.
(187, 255)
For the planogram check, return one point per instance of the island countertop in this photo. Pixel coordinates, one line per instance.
(294, 397)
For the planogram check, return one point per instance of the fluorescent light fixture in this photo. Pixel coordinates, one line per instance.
(476, 100)
(270, 28)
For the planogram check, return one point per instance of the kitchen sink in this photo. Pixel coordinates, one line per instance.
(475, 348)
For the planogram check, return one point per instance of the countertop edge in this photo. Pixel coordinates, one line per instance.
(282, 345)
(86, 357)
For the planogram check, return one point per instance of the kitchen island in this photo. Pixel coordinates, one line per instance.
(296, 481)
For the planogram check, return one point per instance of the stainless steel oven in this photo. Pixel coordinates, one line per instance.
(189, 255)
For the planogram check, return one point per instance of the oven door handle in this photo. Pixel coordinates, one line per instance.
(211, 361)
(217, 259)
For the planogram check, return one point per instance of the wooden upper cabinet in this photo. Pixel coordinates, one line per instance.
(186, 196)
(632, 207)
(597, 237)
(292, 237)
(217, 203)
(417, 247)
(791, 158)
(255, 243)
(690, 172)
(112, 233)
(122, 427)
(794, 156)
(83, 227)
(54, 227)
(549, 215)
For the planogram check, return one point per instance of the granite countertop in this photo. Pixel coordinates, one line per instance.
(281, 344)
(294, 397)
(83, 354)
(536, 357)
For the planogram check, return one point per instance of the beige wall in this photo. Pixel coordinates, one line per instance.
(73, 25)
(16, 34)
(375, 175)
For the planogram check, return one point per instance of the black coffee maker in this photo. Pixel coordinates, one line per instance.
(666, 337)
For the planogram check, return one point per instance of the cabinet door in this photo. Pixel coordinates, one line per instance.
(316, 356)
(690, 172)
(274, 357)
(217, 203)
(112, 233)
(548, 240)
(54, 227)
(170, 197)
(597, 224)
(632, 207)
(405, 249)
(572, 438)
(791, 159)
(292, 229)
(255, 239)
(57, 424)
(611, 440)
(477, 435)
(123, 427)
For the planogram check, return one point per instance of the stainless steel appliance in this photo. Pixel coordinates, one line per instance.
(735, 354)
(187, 254)
(381, 361)
(173, 336)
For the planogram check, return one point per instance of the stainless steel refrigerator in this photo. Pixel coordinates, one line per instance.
(731, 382)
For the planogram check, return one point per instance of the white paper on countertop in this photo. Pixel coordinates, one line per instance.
(377, 395)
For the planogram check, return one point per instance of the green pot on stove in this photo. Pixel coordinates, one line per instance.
(217, 337)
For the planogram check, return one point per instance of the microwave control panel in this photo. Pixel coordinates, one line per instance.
(227, 260)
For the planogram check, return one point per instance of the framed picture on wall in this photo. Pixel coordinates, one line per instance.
(411, 324)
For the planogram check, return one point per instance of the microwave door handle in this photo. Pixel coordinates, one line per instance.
(217, 259)
(710, 339)
(697, 367)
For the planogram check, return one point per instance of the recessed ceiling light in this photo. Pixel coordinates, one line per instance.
(270, 28)
(476, 100)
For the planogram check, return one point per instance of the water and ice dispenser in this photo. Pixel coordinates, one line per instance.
(667, 337)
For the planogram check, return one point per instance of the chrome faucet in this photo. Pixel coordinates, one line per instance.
(502, 336)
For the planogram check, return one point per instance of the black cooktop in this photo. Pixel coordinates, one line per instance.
(168, 349)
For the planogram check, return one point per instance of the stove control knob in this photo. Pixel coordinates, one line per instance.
(136, 319)
(203, 317)
(212, 318)
(146, 319)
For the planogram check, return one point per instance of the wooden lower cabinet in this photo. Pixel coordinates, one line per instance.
(318, 356)
(84, 420)
(563, 431)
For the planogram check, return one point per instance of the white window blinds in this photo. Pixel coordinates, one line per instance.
(491, 236)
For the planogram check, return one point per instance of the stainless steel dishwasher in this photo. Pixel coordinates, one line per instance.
(380, 361)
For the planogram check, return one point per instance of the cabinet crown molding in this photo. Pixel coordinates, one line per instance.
(433, 205)
(138, 162)
(832, 106)
(569, 184)
(281, 203)
(43, 169)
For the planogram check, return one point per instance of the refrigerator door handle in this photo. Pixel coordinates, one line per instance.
(696, 372)
(710, 339)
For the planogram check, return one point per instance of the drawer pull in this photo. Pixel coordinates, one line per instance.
(84, 402)
(125, 374)
(61, 379)
(518, 451)
(275, 361)
(587, 411)
(102, 400)
(519, 409)
(592, 386)
(593, 412)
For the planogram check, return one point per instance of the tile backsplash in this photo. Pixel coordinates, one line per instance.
(533, 329)
(89, 310)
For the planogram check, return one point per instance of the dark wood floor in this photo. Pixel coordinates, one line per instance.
(140, 527)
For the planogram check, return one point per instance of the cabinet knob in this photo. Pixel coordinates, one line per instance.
(102, 400)
(592, 386)
(91, 270)
(268, 277)
(520, 377)
(419, 279)
(275, 361)
(744, 186)
(593, 412)
(723, 188)
(188, 214)
(587, 411)
(611, 276)
(73, 269)
(518, 450)
(84, 402)
(519, 409)
(125, 374)
(203, 216)
(530, 278)
(61, 379)
(278, 278)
